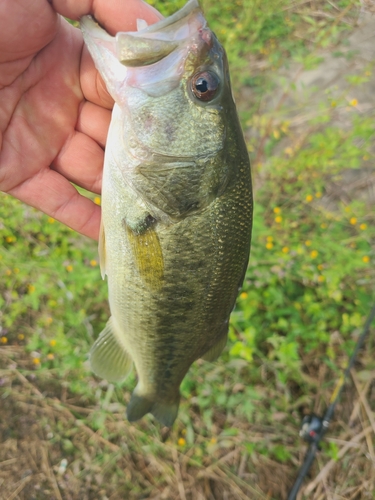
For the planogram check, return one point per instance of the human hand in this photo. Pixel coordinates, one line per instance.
(54, 107)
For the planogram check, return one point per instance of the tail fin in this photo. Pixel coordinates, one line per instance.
(165, 412)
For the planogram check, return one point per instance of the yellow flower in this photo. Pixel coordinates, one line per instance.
(183, 432)
(323, 225)
(321, 279)
(243, 295)
(276, 134)
(8, 272)
(50, 356)
(16, 270)
(288, 151)
(353, 102)
(21, 336)
(213, 440)
(277, 210)
(320, 267)
(93, 263)
(9, 239)
(347, 209)
(269, 238)
(363, 226)
(69, 268)
(36, 361)
(333, 104)
(269, 245)
(365, 157)
(31, 288)
(181, 442)
(318, 194)
(52, 343)
(285, 249)
(51, 220)
(49, 320)
(4, 340)
(285, 127)
(97, 200)
(314, 254)
(278, 219)
(308, 243)
(366, 259)
(353, 221)
(309, 198)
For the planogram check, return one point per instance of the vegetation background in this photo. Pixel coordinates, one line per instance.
(309, 286)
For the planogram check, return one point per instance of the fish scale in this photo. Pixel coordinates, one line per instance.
(176, 205)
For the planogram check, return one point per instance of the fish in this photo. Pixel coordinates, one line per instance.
(176, 205)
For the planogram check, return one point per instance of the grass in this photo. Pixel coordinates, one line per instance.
(308, 289)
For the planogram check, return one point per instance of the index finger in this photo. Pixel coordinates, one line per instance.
(113, 15)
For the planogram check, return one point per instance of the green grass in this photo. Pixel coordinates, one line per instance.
(309, 285)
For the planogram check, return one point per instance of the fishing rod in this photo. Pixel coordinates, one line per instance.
(314, 427)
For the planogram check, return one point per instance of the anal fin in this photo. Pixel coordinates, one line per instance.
(108, 358)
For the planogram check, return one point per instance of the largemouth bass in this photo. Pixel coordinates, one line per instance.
(176, 205)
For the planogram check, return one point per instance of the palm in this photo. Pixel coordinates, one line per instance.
(54, 110)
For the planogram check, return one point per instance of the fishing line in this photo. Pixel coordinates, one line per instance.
(314, 427)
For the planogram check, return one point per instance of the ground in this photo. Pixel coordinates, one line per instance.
(62, 444)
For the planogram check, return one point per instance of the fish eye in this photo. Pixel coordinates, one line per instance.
(205, 85)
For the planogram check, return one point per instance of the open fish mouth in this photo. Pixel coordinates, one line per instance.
(151, 44)
(154, 58)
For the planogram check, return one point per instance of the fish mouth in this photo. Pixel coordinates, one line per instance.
(151, 43)
(152, 58)
(169, 22)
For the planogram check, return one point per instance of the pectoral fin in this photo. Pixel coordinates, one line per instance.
(108, 358)
(147, 252)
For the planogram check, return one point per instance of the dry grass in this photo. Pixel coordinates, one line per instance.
(42, 425)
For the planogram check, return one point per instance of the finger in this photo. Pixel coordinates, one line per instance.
(25, 28)
(92, 84)
(81, 161)
(61, 201)
(94, 121)
(114, 15)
